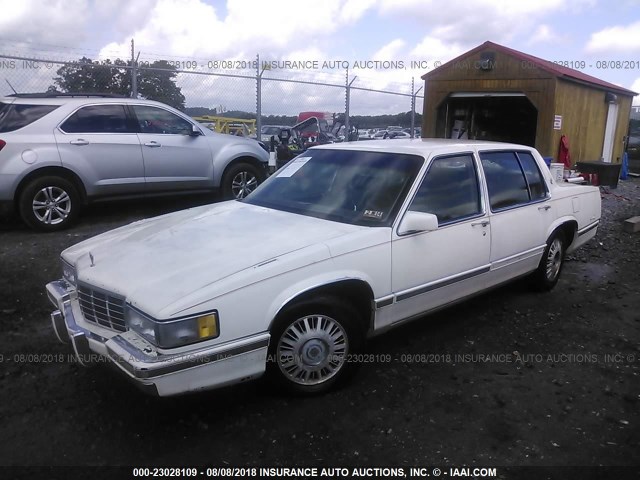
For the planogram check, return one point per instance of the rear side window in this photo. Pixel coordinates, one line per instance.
(533, 176)
(512, 179)
(13, 117)
(97, 119)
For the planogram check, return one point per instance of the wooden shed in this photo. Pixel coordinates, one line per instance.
(495, 93)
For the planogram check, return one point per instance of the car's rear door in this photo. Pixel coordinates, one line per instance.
(434, 268)
(99, 143)
(174, 158)
(521, 211)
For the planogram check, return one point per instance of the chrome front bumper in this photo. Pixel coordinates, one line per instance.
(154, 371)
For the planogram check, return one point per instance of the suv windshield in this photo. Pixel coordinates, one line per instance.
(348, 186)
(13, 117)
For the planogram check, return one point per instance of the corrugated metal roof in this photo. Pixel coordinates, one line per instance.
(553, 68)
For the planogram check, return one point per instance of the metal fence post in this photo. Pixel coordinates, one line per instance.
(258, 97)
(346, 106)
(413, 106)
(134, 73)
(347, 102)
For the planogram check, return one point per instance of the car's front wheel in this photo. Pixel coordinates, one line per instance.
(49, 203)
(240, 180)
(551, 263)
(312, 346)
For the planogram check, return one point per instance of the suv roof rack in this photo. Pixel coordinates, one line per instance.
(58, 94)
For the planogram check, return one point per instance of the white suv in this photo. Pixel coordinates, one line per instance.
(61, 151)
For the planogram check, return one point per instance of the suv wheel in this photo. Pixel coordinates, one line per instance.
(49, 204)
(240, 180)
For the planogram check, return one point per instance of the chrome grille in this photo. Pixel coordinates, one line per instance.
(102, 308)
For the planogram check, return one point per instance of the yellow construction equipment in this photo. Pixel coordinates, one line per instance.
(231, 126)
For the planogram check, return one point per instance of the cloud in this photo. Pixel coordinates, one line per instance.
(471, 22)
(615, 40)
(390, 51)
(544, 34)
(193, 28)
(432, 48)
(32, 20)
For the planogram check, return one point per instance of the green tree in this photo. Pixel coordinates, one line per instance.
(155, 82)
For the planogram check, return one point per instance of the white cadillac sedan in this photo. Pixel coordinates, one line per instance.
(342, 243)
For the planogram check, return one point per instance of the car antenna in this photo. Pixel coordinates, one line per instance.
(11, 86)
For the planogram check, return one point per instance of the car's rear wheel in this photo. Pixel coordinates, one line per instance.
(49, 203)
(551, 263)
(312, 346)
(240, 180)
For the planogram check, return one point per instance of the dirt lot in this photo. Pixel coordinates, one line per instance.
(509, 378)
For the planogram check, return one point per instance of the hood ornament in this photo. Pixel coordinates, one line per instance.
(91, 258)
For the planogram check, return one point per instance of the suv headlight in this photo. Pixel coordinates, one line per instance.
(69, 272)
(174, 333)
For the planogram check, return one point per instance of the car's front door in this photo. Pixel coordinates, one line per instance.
(433, 268)
(99, 143)
(174, 159)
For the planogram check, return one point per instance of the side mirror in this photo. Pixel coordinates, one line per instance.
(195, 131)
(414, 222)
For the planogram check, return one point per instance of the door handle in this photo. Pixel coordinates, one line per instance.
(79, 142)
(484, 223)
(545, 207)
(152, 144)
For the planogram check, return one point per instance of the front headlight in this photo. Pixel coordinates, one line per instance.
(174, 333)
(141, 324)
(69, 272)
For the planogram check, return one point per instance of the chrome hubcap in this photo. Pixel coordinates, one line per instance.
(51, 205)
(312, 350)
(554, 259)
(243, 184)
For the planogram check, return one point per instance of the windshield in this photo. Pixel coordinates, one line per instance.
(348, 186)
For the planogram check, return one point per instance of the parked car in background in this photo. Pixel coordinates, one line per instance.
(416, 132)
(354, 238)
(395, 134)
(380, 134)
(268, 131)
(363, 134)
(61, 151)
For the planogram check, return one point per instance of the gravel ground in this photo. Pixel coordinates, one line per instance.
(509, 378)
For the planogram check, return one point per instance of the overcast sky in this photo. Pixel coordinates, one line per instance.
(586, 32)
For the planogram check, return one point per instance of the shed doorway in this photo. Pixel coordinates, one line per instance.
(500, 117)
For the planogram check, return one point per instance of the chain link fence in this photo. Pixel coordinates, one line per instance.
(245, 90)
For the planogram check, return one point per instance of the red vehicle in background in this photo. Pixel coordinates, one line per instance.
(314, 128)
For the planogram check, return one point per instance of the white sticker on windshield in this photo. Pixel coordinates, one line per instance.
(293, 167)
